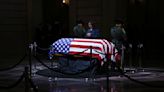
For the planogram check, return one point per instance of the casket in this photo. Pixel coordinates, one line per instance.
(100, 49)
(85, 53)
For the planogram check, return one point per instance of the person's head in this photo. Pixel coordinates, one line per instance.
(90, 24)
(118, 23)
(80, 23)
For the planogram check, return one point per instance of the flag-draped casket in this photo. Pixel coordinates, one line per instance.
(101, 49)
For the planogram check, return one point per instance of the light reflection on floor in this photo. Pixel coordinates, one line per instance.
(116, 83)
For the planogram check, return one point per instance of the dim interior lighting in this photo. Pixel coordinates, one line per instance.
(66, 1)
(132, 1)
(141, 1)
(63, 1)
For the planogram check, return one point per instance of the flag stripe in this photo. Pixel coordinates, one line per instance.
(92, 40)
(78, 50)
(87, 47)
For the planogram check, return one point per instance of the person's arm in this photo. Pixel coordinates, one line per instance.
(88, 34)
(124, 34)
(75, 31)
(94, 33)
(112, 33)
(97, 34)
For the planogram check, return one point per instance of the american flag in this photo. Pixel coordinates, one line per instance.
(96, 48)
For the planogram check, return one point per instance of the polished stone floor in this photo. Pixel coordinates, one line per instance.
(150, 80)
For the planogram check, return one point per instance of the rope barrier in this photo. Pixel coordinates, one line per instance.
(137, 81)
(9, 68)
(43, 49)
(99, 52)
(25, 76)
(14, 84)
(78, 53)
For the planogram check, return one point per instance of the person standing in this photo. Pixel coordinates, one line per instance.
(92, 32)
(119, 38)
(79, 30)
(118, 35)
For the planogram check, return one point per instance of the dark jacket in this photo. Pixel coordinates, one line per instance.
(94, 33)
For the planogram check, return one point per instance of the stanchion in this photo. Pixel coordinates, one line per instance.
(29, 82)
(35, 46)
(32, 52)
(140, 53)
(26, 84)
(91, 52)
(35, 50)
(130, 55)
(122, 57)
(30, 57)
(130, 58)
(34, 68)
(50, 78)
(107, 73)
(90, 60)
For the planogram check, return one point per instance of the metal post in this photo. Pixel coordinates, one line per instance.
(35, 46)
(130, 56)
(50, 78)
(90, 54)
(30, 54)
(91, 51)
(90, 60)
(122, 57)
(140, 46)
(107, 75)
(26, 80)
(34, 52)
